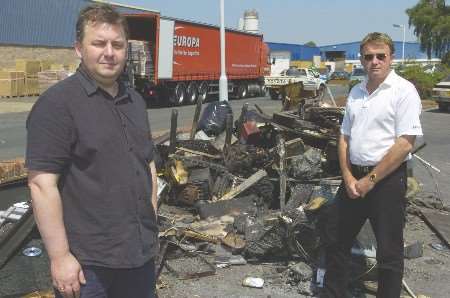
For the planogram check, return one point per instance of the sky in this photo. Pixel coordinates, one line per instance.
(325, 22)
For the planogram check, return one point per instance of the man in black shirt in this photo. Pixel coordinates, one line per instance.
(91, 171)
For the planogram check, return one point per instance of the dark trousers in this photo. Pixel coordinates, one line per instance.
(384, 206)
(118, 283)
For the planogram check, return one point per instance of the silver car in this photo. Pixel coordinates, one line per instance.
(441, 94)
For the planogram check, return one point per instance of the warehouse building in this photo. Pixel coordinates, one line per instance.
(42, 29)
(283, 55)
(297, 51)
(343, 56)
(350, 51)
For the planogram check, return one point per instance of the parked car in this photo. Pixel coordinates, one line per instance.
(441, 94)
(294, 72)
(309, 79)
(357, 75)
(340, 75)
(432, 68)
(324, 73)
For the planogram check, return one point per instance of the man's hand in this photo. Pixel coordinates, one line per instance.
(67, 275)
(350, 186)
(364, 185)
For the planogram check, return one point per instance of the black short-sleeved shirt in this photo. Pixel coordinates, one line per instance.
(101, 147)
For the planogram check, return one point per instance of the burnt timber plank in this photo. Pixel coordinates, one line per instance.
(439, 222)
(11, 243)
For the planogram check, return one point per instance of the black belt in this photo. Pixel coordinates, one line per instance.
(361, 170)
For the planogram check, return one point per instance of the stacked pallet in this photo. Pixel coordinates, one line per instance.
(140, 58)
(11, 170)
(48, 78)
(12, 83)
(72, 68)
(46, 64)
(31, 69)
(32, 77)
(56, 66)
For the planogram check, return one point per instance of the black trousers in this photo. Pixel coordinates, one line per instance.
(104, 282)
(384, 206)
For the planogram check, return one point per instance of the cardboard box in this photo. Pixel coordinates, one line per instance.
(30, 67)
(12, 83)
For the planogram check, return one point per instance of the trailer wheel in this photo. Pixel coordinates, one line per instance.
(242, 90)
(178, 94)
(263, 91)
(191, 93)
(443, 106)
(202, 91)
(275, 94)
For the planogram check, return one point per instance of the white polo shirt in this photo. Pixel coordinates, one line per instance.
(374, 122)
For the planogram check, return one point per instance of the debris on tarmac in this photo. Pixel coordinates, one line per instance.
(257, 190)
(275, 178)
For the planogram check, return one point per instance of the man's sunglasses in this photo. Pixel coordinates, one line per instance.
(369, 57)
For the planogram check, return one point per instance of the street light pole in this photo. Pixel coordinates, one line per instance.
(403, 44)
(223, 82)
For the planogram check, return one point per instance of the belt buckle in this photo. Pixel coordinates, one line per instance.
(365, 169)
(362, 169)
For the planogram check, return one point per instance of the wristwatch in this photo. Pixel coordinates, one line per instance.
(373, 178)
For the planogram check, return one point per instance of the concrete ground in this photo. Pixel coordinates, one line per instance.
(427, 275)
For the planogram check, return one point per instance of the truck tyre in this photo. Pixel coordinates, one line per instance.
(242, 90)
(178, 95)
(263, 91)
(202, 93)
(191, 93)
(443, 106)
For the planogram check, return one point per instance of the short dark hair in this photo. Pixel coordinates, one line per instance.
(377, 37)
(99, 13)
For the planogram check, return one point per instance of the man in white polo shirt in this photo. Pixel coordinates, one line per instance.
(378, 132)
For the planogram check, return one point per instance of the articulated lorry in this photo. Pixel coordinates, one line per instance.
(179, 61)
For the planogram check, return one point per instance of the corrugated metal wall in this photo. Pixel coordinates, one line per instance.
(351, 49)
(298, 52)
(41, 22)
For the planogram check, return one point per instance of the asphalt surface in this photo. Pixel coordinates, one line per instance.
(427, 275)
(13, 131)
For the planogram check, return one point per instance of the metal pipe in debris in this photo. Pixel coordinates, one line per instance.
(426, 163)
(173, 131)
(228, 131)
(198, 109)
(331, 95)
(420, 147)
(241, 120)
(408, 290)
(283, 176)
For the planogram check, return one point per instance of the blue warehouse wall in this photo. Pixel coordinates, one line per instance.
(351, 50)
(42, 22)
(298, 52)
